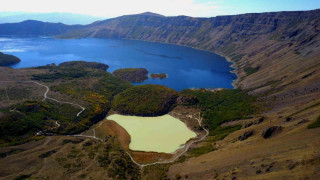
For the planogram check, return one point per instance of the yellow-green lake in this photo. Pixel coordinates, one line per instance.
(154, 134)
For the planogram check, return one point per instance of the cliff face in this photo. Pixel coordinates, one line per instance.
(279, 47)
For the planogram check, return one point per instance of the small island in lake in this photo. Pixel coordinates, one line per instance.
(158, 76)
(132, 74)
(7, 60)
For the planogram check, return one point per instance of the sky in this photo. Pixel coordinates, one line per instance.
(195, 8)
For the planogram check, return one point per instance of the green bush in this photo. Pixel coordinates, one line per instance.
(145, 100)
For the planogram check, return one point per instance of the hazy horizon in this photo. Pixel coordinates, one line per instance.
(194, 8)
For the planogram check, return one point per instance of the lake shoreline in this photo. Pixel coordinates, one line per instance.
(198, 70)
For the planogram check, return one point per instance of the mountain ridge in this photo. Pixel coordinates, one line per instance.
(66, 18)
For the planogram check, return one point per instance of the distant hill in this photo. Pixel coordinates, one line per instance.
(36, 28)
(65, 18)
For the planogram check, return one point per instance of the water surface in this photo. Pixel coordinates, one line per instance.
(186, 67)
(154, 134)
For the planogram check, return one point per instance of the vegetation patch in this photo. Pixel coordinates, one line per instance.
(222, 106)
(158, 76)
(47, 154)
(12, 151)
(22, 177)
(7, 60)
(86, 83)
(132, 74)
(251, 70)
(117, 162)
(315, 124)
(81, 64)
(71, 70)
(145, 100)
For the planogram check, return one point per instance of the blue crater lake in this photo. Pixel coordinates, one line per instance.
(186, 67)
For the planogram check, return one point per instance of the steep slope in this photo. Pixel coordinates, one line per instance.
(35, 28)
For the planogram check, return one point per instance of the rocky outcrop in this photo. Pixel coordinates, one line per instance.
(271, 131)
(246, 135)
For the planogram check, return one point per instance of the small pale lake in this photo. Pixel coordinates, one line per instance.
(154, 134)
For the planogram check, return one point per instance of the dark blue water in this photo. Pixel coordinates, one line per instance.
(186, 67)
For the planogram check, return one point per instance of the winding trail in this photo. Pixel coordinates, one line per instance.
(186, 148)
(7, 94)
(46, 93)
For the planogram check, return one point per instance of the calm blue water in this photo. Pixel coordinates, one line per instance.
(186, 67)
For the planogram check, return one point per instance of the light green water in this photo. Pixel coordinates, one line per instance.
(157, 134)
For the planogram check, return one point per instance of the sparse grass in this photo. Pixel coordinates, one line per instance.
(201, 150)
(272, 82)
(304, 109)
(156, 172)
(218, 134)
